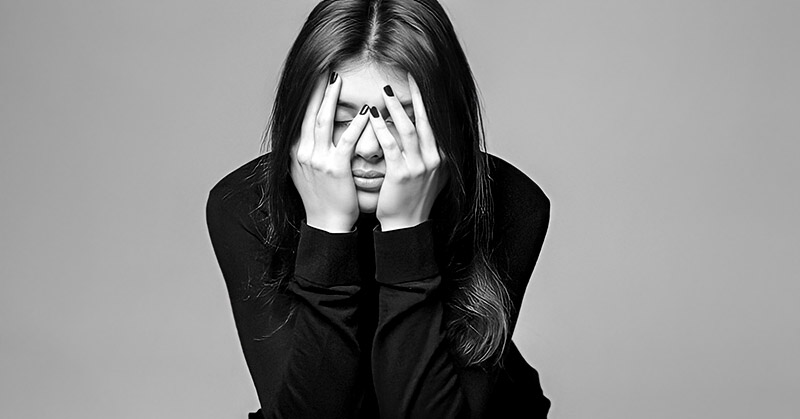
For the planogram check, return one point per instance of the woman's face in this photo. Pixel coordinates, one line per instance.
(363, 84)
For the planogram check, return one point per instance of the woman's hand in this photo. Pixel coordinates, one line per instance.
(413, 176)
(320, 169)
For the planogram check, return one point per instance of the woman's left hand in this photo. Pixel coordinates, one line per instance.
(413, 176)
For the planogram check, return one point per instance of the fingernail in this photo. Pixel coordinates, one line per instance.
(364, 110)
(333, 77)
(374, 111)
(388, 90)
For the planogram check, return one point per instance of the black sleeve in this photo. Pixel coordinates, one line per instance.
(413, 370)
(299, 343)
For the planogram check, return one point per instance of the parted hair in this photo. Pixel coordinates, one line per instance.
(414, 36)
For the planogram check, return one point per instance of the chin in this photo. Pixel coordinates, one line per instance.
(367, 201)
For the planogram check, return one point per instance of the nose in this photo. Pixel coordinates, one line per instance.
(368, 147)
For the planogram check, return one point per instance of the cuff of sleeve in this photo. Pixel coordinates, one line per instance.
(327, 258)
(405, 255)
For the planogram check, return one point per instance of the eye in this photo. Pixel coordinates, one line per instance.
(342, 124)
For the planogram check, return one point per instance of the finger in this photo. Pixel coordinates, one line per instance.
(391, 149)
(294, 163)
(405, 128)
(427, 142)
(347, 142)
(323, 126)
(312, 107)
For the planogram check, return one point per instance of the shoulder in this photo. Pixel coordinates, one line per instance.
(521, 219)
(239, 182)
(516, 196)
(236, 196)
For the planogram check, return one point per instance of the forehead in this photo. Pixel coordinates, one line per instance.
(372, 73)
(363, 83)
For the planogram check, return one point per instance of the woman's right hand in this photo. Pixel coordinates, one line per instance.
(320, 167)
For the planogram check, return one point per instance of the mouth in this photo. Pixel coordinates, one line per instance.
(367, 180)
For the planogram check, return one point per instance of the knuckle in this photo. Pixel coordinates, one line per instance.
(417, 169)
(302, 156)
(390, 145)
(322, 121)
(406, 130)
(345, 138)
(406, 176)
(322, 164)
(316, 163)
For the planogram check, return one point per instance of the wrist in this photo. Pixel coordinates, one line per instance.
(326, 259)
(397, 224)
(405, 255)
(331, 225)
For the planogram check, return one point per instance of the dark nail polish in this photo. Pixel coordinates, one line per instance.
(374, 111)
(333, 77)
(364, 110)
(388, 90)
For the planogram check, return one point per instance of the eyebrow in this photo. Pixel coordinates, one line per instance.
(343, 103)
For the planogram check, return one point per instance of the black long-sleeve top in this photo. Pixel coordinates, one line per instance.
(359, 332)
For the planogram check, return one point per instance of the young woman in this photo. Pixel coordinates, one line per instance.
(376, 258)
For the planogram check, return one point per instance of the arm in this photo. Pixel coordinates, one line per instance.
(308, 365)
(413, 370)
(299, 343)
(413, 373)
(321, 376)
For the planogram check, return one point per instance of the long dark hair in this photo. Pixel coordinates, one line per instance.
(418, 37)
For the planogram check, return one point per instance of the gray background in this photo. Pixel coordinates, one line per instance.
(664, 132)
